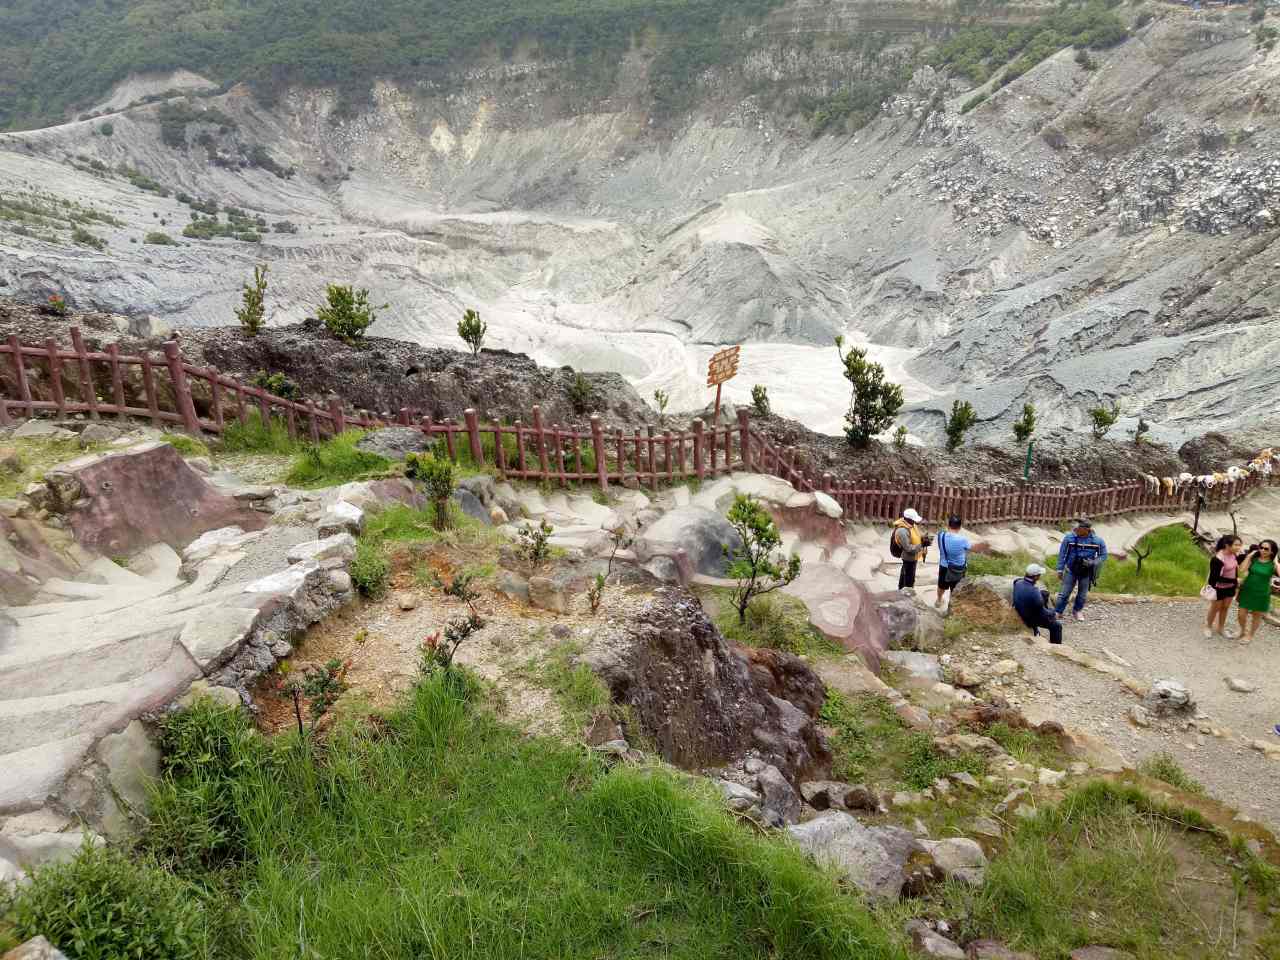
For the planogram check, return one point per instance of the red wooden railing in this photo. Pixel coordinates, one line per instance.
(163, 392)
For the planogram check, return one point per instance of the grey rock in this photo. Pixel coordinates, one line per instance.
(132, 762)
(406, 601)
(513, 586)
(1237, 685)
(1168, 698)
(837, 840)
(701, 534)
(925, 666)
(472, 506)
(483, 487)
(339, 518)
(37, 948)
(739, 798)
(42, 430)
(1139, 715)
(1100, 953)
(824, 794)
(781, 805)
(993, 950)
(958, 857)
(98, 433)
(394, 442)
(929, 942)
(910, 623)
(340, 581)
(340, 545)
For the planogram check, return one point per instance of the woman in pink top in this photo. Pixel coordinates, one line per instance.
(1224, 577)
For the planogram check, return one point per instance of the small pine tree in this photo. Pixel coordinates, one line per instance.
(753, 565)
(661, 398)
(962, 418)
(347, 313)
(875, 401)
(1023, 428)
(581, 394)
(472, 330)
(900, 437)
(760, 400)
(1104, 418)
(252, 314)
(1140, 432)
(436, 475)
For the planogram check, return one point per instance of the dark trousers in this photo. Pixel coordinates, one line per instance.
(907, 578)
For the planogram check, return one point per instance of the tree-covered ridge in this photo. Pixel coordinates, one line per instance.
(61, 54)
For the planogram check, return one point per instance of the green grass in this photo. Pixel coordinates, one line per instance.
(1107, 866)
(775, 621)
(37, 456)
(336, 461)
(1177, 566)
(872, 745)
(255, 436)
(186, 445)
(1028, 746)
(1162, 766)
(579, 693)
(444, 833)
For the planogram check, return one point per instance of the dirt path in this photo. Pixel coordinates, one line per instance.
(1164, 640)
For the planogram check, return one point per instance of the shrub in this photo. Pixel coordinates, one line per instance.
(255, 436)
(101, 904)
(595, 593)
(106, 128)
(252, 312)
(660, 399)
(335, 461)
(472, 330)
(86, 239)
(160, 239)
(370, 570)
(582, 395)
(1104, 419)
(1144, 17)
(187, 445)
(875, 401)
(285, 226)
(900, 437)
(962, 418)
(760, 400)
(436, 474)
(1025, 426)
(347, 313)
(1086, 62)
(752, 564)
(534, 546)
(1162, 766)
(277, 384)
(55, 305)
(976, 100)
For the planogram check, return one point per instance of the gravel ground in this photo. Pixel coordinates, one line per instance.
(267, 555)
(1164, 640)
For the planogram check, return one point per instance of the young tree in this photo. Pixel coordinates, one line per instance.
(661, 398)
(347, 313)
(436, 475)
(760, 400)
(900, 437)
(252, 314)
(581, 394)
(962, 418)
(472, 330)
(1140, 432)
(1104, 418)
(753, 565)
(1026, 425)
(875, 401)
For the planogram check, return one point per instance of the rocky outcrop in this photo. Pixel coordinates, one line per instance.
(985, 602)
(700, 700)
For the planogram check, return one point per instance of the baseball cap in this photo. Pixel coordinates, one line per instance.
(911, 515)
(1035, 570)
(1083, 522)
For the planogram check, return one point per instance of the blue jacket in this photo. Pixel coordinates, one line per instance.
(1029, 603)
(1088, 547)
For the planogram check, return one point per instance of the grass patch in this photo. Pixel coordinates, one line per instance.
(1176, 567)
(1162, 766)
(1028, 746)
(872, 745)
(775, 621)
(255, 435)
(445, 833)
(335, 461)
(38, 455)
(1110, 865)
(186, 445)
(579, 693)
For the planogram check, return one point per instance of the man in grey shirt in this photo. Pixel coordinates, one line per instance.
(912, 545)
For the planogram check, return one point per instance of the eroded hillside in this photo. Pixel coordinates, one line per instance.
(1103, 226)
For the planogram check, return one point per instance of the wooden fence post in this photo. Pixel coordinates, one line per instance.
(88, 395)
(602, 458)
(403, 417)
(744, 433)
(335, 411)
(653, 462)
(55, 375)
(473, 433)
(181, 390)
(499, 454)
(542, 440)
(117, 380)
(697, 448)
(20, 371)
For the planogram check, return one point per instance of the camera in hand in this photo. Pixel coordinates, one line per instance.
(927, 540)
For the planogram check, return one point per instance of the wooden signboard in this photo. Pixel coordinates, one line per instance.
(722, 366)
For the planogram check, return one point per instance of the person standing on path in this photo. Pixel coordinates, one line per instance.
(1255, 587)
(910, 544)
(1032, 604)
(1080, 560)
(953, 558)
(1224, 569)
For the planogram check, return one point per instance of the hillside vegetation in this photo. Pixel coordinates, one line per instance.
(57, 55)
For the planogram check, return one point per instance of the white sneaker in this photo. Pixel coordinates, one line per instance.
(1079, 616)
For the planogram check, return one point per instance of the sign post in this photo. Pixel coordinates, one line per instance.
(1026, 467)
(722, 366)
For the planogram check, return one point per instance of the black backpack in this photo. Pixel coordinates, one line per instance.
(895, 548)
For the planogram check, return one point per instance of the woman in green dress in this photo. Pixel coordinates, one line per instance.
(1254, 598)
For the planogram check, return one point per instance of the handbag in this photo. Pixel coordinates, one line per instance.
(951, 573)
(1207, 592)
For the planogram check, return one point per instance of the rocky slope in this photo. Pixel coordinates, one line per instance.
(1082, 235)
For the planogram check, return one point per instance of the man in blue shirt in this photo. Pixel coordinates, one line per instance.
(1080, 560)
(953, 558)
(1032, 604)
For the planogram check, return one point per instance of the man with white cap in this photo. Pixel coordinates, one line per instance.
(1032, 604)
(910, 544)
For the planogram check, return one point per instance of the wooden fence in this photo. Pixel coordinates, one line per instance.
(170, 391)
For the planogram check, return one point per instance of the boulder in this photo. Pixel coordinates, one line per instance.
(986, 602)
(1169, 698)
(472, 506)
(959, 858)
(922, 666)
(10, 461)
(129, 499)
(740, 799)
(909, 622)
(839, 841)
(98, 433)
(341, 517)
(701, 534)
(132, 762)
(552, 591)
(340, 546)
(41, 430)
(780, 803)
(36, 949)
(993, 950)
(698, 697)
(788, 677)
(824, 794)
(394, 442)
(841, 609)
(929, 942)
(1236, 685)
(1100, 953)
